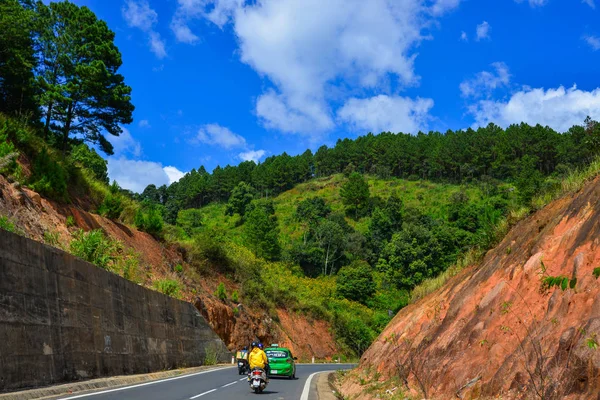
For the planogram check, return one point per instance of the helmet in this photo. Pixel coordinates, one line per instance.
(254, 344)
(245, 348)
(260, 345)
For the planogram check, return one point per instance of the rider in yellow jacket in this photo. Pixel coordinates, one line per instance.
(258, 358)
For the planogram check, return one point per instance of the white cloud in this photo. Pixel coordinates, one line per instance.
(485, 82)
(386, 113)
(157, 45)
(558, 108)
(125, 144)
(182, 32)
(536, 3)
(592, 41)
(483, 31)
(136, 175)
(173, 173)
(144, 124)
(215, 134)
(252, 155)
(303, 47)
(138, 14)
(463, 36)
(590, 3)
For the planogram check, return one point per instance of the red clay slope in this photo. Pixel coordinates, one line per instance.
(492, 331)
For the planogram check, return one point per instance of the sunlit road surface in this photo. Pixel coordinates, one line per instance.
(222, 383)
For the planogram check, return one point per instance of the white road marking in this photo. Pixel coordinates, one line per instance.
(202, 394)
(229, 384)
(306, 390)
(243, 379)
(143, 384)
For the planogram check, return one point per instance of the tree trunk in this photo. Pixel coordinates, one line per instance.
(67, 128)
(48, 118)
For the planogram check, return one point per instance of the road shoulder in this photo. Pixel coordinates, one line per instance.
(76, 388)
(325, 389)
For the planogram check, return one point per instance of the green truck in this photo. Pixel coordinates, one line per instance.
(281, 361)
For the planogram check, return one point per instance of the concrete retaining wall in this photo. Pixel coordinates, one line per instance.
(63, 319)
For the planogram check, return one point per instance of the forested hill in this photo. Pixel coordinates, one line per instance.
(522, 154)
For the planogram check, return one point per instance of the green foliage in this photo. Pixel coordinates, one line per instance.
(149, 219)
(17, 89)
(8, 152)
(312, 209)
(592, 342)
(7, 225)
(210, 355)
(262, 231)
(355, 192)
(240, 198)
(94, 247)
(88, 158)
(221, 293)
(190, 220)
(596, 272)
(548, 282)
(178, 268)
(82, 94)
(70, 221)
(355, 282)
(170, 287)
(235, 297)
(113, 205)
(52, 239)
(48, 177)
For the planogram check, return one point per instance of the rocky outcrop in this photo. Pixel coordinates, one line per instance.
(496, 329)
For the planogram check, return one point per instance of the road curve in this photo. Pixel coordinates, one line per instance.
(223, 384)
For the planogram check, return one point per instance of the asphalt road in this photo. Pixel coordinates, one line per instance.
(222, 384)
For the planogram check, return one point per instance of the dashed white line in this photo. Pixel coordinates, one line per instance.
(202, 394)
(243, 379)
(229, 384)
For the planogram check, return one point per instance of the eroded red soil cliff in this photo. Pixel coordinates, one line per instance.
(494, 331)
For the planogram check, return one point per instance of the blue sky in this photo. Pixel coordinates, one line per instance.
(219, 81)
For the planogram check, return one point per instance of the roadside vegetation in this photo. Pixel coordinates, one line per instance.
(349, 234)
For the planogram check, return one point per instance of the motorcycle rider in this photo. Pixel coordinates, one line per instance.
(242, 357)
(258, 358)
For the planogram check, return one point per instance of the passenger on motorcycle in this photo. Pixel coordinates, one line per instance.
(258, 358)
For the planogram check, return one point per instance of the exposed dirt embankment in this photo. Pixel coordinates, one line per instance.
(494, 330)
(40, 218)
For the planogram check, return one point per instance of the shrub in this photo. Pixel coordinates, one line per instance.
(179, 268)
(52, 239)
(149, 219)
(70, 221)
(235, 297)
(7, 225)
(128, 266)
(355, 282)
(221, 293)
(190, 220)
(210, 355)
(48, 177)
(112, 206)
(94, 247)
(89, 159)
(170, 287)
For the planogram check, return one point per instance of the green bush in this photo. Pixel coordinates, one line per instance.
(70, 221)
(149, 219)
(48, 177)
(221, 293)
(355, 282)
(179, 268)
(235, 297)
(94, 247)
(190, 220)
(89, 159)
(7, 225)
(170, 287)
(112, 206)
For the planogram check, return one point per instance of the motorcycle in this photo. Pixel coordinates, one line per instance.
(243, 367)
(258, 380)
